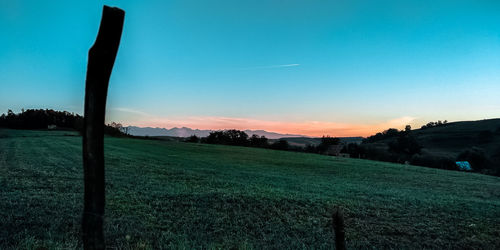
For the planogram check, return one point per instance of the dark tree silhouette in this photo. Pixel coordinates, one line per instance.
(392, 132)
(354, 150)
(326, 142)
(407, 128)
(41, 119)
(476, 157)
(62, 120)
(434, 124)
(193, 138)
(405, 144)
(258, 141)
(228, 137)
(309, 148)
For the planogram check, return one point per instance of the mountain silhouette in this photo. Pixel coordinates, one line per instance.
(185, 132)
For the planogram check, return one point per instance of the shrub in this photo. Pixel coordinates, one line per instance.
(405, 144)
(280, 145)
(354, 150)
(432, 161)
(476, 157)
(193, 138)
(309, 148)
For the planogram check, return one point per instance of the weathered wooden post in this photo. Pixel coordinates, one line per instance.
(338, 228)
(101, 59)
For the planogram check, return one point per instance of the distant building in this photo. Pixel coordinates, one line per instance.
(51, 126)
(344, 155)
(463, 165)
(334, 150)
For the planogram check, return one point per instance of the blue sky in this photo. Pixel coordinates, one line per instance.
(311, 67)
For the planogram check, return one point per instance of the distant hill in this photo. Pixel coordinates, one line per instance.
(451, 139)
(186, 132)
(454, 137)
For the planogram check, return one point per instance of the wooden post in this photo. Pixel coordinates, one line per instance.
(101, 60)
(338, 228)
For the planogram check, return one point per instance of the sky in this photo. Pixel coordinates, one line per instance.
(338, 68)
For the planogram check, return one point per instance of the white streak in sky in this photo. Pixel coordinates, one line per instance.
(133, 111)
(284, 65)
(275, 66)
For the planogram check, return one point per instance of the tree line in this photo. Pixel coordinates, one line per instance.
(240, 138)
(44, 118)
(391, 145)
(434, 124)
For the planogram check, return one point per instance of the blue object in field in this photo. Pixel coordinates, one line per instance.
(463, 165)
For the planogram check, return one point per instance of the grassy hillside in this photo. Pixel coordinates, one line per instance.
(475, 141)
(454, 137)
(184, 195)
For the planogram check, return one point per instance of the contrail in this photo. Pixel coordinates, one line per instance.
(275, 66)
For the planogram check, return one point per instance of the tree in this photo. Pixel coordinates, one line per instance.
(389, 133)
(228, 137)
(405, 144)
(354, 150)
(215, 137)
(434, 124)
(309, 148)
(193, 138)
(236, 137)
(407, 128)
(258, 141)
(326, 142)
(118, 126)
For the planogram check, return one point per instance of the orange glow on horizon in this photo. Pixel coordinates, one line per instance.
(307, 128)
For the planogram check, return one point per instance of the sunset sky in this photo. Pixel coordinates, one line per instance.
(342, 68)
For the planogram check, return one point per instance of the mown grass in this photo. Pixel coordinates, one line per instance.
(180, 195)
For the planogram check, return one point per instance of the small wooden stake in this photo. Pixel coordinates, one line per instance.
(101, 60)
(338, 228)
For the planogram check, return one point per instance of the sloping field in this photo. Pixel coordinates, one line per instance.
(180, 195)
(455, 137)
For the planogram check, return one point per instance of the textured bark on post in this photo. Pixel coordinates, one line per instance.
(338, 228)
(100, 64)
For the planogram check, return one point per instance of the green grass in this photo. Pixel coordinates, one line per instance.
(180, 195)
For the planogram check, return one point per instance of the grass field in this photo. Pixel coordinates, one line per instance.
(180, 195)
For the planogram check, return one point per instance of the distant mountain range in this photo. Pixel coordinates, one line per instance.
(185, 132)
